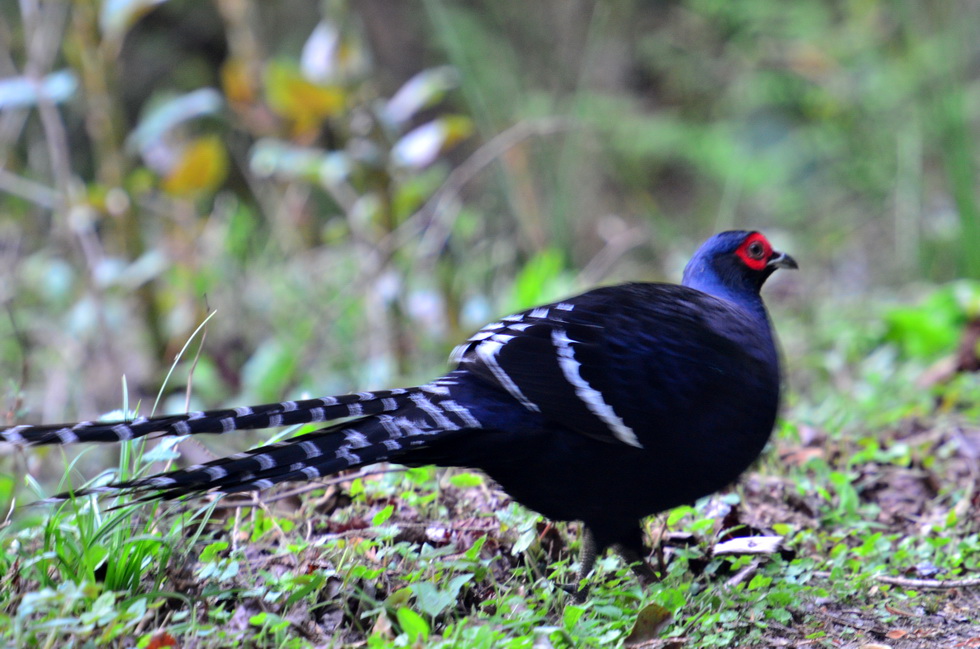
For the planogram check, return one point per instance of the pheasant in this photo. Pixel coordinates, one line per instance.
(604, 408)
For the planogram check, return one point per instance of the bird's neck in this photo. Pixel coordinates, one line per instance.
(745, 297)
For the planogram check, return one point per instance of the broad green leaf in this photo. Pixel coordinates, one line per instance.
(412, 624)
(382, 516)
(212, 551)
(269, 369)
(571, 615)
(432, 600)
(543, 279)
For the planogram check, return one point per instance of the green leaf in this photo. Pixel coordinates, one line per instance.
(412, 624)
(433, 601)
(307, 584)
(213, 551)
(466, 480)
(270, 368)
(382, 516)
(399, 597)
(474, 552)
(571, 615)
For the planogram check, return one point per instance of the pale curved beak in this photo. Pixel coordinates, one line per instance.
(781, 260)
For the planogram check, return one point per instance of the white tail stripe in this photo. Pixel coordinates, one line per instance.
(461, 412)
(441, 420)
(355, 438)
(123, 432)
(344, 453)
(311, 449)
(216, 473)
(67, 435)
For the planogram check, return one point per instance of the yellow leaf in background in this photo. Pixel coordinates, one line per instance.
(458, 128)
(202, 167)
(236, 83)
(305, 103)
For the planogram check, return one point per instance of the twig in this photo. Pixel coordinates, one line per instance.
(928, 584)
(744, 574)
(29, 190)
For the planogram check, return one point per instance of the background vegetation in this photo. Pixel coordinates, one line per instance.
(352, 187)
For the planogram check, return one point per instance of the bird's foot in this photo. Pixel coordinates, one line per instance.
(578, 590)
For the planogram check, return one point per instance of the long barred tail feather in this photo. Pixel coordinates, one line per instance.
(270, 415)
(423, 414)
(315, 455)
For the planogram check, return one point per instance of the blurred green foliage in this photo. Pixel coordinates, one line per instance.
(935, 326)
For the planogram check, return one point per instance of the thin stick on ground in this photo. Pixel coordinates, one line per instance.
(928, 584)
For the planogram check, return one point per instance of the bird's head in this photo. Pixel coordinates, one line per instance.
(734, 263)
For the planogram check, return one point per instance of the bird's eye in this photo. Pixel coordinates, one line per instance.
(756, 250)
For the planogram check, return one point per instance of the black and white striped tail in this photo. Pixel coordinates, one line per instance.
(383, 425)
(270, 415)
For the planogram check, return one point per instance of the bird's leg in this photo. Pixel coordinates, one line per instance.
(586, 560)
(638, 564)
(632, 550)
(587, 554)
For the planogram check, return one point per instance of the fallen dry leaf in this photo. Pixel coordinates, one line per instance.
(649, 622)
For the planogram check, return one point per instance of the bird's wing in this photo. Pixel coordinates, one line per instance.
(604, 362)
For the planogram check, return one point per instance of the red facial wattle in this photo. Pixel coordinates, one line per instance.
(755, 251)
